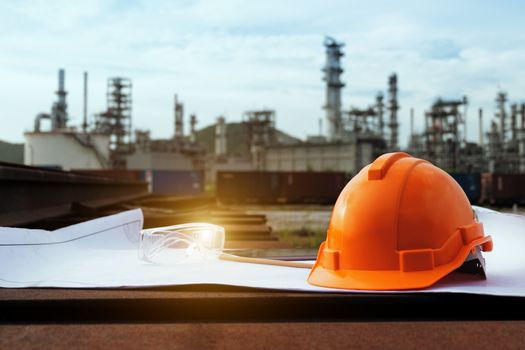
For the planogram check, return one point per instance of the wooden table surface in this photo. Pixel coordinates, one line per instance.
(210, 316)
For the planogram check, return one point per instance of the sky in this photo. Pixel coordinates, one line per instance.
(224, 57)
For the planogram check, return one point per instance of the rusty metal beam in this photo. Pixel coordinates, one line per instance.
(30, 194)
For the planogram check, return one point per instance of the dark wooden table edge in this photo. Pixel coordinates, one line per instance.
(216, 303)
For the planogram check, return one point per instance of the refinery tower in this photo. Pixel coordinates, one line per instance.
(332, 76)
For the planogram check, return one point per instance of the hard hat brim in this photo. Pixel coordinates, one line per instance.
(388, 279)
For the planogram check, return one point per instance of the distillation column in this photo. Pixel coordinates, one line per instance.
(332, 76)
(380, 114)
(179, 120)
(501, 101)
(85, 102)
(58, 115)
(116, 120)
(521, 140)
(59, 111)
(220, 137)
(193, 128)
(393, 107)
(497, 136)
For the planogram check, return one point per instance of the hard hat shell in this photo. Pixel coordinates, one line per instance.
(400, 223)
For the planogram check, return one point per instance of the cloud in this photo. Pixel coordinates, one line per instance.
(440, 49)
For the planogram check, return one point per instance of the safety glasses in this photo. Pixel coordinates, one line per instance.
(181, 243)
(195, 242)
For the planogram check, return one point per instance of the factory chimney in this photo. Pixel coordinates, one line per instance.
(514, 122)
(58, 115)
(85, 122)
(411, 123)
(380, 113)
(523, 117)
(61, 80)
(193, 128)
(179, 122)
(393, 107)
(59, 109)
(465, 123)
(332, 76)
(521, 140)
(481, 127)
(501, 100)
(220, 137)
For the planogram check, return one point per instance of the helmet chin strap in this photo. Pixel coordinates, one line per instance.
(474, 264)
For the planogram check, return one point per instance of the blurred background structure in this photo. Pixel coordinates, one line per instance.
(254, 162)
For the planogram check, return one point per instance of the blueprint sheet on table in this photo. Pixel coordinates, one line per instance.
(102, 253)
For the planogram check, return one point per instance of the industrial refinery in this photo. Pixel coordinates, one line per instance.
(353, 137)
(262, 174)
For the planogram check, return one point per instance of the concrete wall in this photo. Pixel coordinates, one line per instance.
(68, 150)
(213, 165)
(364, 155)
(141, 160)
(312, 157)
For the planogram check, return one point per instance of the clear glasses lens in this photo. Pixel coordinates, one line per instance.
(181, 243)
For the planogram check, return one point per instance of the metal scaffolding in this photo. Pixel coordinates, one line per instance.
(445, 127)
(365, 128)
(363, 121)
(380, 105)
(193, 128)
(506, 138)
(393, 107)
(116, 120)
(416, 145)
(260, 132)
(221, 138)
(179, 120)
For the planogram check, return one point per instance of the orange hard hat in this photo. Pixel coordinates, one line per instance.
(400, 223)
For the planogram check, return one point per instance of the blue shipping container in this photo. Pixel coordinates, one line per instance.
(470, 183)
(174, 182)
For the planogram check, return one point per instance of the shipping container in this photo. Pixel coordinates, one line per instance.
(166, 182)
(471, 184)
(279, 187)
(174, 182)
(132, 175)
(503, 189)
(247, 187)
(310, 187)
